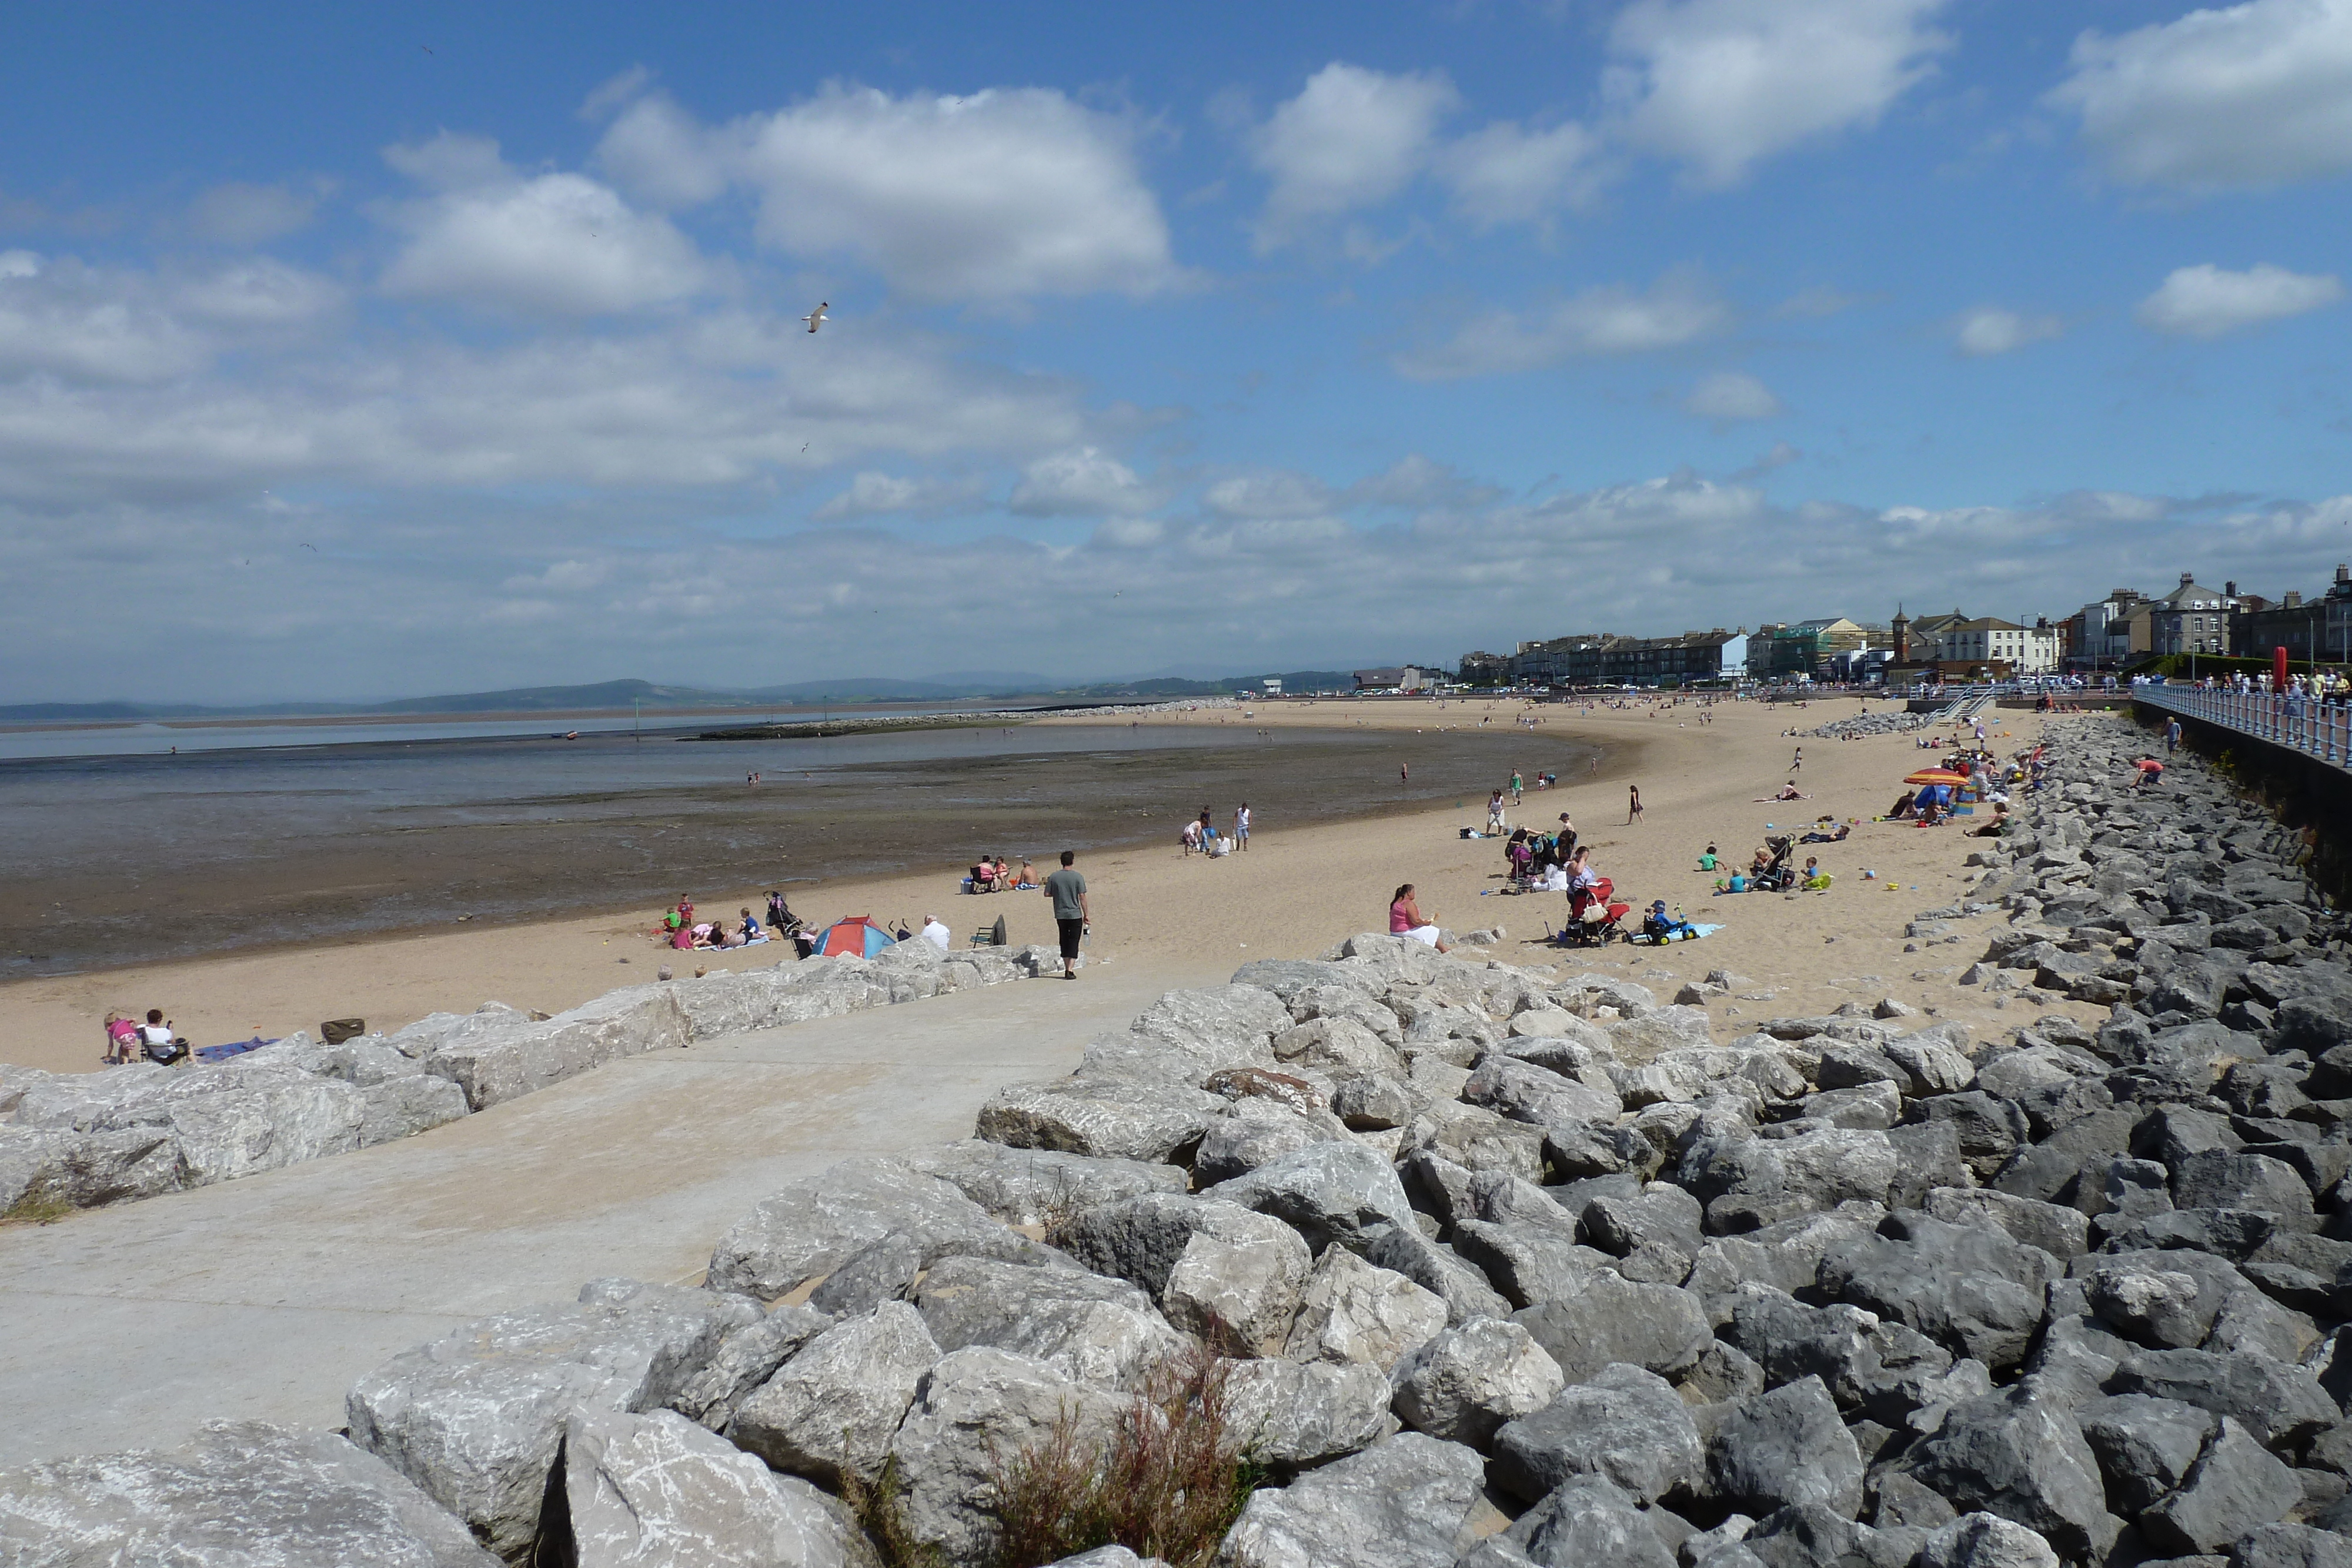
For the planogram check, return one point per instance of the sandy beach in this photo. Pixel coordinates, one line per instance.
(1297, 889)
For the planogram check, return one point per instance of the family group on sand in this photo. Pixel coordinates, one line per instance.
(1200, 836)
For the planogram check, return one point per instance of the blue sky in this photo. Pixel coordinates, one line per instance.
(353, 354)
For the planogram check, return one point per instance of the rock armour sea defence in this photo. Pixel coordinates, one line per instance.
(1507, 1268)
(82, 1140)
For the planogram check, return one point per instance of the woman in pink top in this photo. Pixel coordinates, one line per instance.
(1405, 919)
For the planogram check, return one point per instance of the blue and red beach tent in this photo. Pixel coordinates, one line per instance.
(856, 936)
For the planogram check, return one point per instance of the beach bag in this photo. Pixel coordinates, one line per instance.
(334, 1031)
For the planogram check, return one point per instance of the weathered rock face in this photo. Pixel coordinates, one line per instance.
(1467, 1383)
(1106, 1117)
(511, 1057)
(240, 1494)
(833, 1408)
(1353, 1312)
(1626, 1426)
(1079, 1327)
(658, 1492)
(1039, 1186)
(1295, 1415)
(811, 1228)
(474, 1419)
(745, 1359)
(1399, 1504)
(974, 1405)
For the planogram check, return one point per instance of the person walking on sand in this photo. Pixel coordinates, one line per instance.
(1796, 763)
(1632, 804)
(1518, 786)
(1068, 889)
(1240, 828)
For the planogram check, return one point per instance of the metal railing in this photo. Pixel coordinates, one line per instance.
(2315, 728)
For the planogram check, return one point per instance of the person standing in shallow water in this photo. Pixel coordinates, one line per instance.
(1068, 889)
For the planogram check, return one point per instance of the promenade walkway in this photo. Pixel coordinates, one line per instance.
(265, 1297)
(2322, 731)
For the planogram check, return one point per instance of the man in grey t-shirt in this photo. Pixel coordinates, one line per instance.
(1068, 889)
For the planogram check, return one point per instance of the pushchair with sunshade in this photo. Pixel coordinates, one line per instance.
(1594, 916)
(1777, 877)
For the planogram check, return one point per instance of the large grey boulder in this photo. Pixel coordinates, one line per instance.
(2021, 1457)
(2145, 1446)
(1626, 1426)
(1985, 1541)
(1328, 1192)
(1294, 1414)
(1527, 1092)
(1476, 1139)
(1338, 1044)
(1353, 1312)
(1079, 1327)
(1610, 1319)
(832, 1408)
(1435, 1268)
(1787, 1449)
(1465, 1384)
(2281, 1404)
(1401, 1503)
(1040, 1186)
(1215, 1026)
(275, 1120)
(243, 1495)
(2291, 1546)
(1142, 1238)
(1239, 1289)
(1969, 1287)
(1260, 1132)
(796, 991)
(403, 1106)
(518, 1055)
(63, 1168)
(1106, 1117)
(812, 1226)
(658, 1492)
(475, 1418)
(1585, 1524)
(2235, 1486)
(745, 1359)
(977, 1408)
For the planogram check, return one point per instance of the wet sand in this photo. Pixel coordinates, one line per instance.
(310, 849)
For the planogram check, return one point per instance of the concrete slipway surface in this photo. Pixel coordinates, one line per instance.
(264, 1299)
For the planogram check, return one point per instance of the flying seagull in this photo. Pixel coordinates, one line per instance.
(815, 318)
(311, 547)
(427, 47)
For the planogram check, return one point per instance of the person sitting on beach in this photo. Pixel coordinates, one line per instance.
(750, 931)
(1998, 824)
(1788, 791)
(983, 875)
(1660, 926)
(1027, 879)
(159, 1043)
(935, 931)
(1707, 862)
(1405, 919)
(1760, 863)
(1930, 814)
(121, 1039)
(1902, 804)
(1813, 877)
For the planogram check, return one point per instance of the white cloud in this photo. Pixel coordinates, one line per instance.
(659, 153)
(1726, 396)
(1502, 173)
(1351, 139)
(1272, 495)
(1990, 329)
(1083, 483)
(2207, 301)
(88, 324)
(1679, 309)
(2240, 98)
(873, 494)
(1002, 194)
(560, 244)
(1817, 302)
(1722, 84)
(241, 215)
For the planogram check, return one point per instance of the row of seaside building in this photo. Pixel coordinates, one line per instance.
(2110, 633)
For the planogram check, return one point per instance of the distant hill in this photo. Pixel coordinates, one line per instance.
(941, 688)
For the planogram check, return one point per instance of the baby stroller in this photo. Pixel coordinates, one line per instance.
(781, 921)
(1594, 916)
(1777, 877)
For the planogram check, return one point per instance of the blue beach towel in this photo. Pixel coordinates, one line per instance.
(235, 1047)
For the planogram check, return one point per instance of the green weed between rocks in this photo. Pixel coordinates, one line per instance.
(880, 1514)
(37, 1209)
(1167, 1481)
